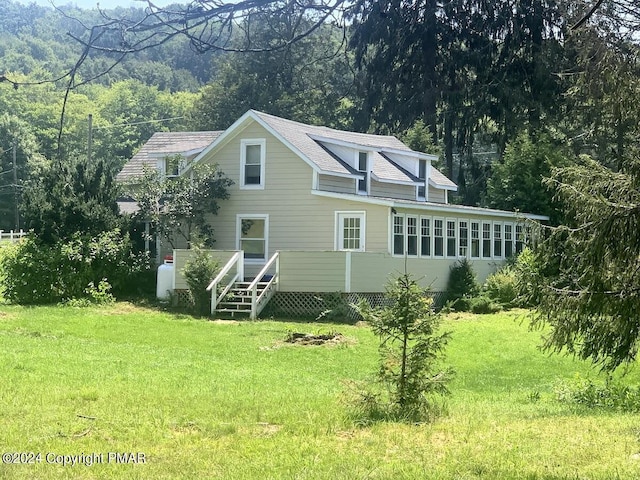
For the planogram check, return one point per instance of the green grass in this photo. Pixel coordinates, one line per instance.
(228, 400)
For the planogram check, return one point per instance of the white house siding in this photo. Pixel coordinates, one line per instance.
(331, 183)
(390, 190)
(297, 219)
(436, 195)
(312, 271)
(181, 257)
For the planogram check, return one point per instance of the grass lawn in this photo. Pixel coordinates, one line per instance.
(227, 400)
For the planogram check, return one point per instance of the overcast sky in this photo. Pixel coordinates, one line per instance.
(91, 4)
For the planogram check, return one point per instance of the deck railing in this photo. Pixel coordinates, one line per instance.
(237, 260)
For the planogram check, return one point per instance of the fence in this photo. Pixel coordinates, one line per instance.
(11, 235)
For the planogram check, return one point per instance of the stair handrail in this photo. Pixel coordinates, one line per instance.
(236, 259)
(253, 286)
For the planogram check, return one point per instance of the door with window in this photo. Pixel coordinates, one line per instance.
(252, 237)
(350, 230)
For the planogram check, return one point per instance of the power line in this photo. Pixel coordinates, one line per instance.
(160, 120)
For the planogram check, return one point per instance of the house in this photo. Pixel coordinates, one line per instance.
(316, 210)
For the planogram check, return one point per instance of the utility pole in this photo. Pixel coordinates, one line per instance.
(15, 183)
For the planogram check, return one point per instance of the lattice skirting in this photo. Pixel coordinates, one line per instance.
(304, 305)
(329, 306)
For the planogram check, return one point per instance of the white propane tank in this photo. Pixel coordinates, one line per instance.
(164, 284)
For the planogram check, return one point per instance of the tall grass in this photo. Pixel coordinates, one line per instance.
(229, 400)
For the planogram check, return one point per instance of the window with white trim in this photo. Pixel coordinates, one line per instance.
(475, 239)
(412, 235)
(363, 169)
(451, 238)
(486, 240)
(438, 237)
(508, 240)
(497, 240)
(422, 175)
(398, 235)
(519, 238)
(172, 165)
(425, 236)
(252, 163)
(463, 234)
(251, 237)
(350, 230)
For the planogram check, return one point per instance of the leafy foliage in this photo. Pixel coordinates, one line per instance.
(613, 394)
(70, 198)
(587, 277)
(517, 183)
(410, 349)
(181, 207)
(33, 272)
(198, 272)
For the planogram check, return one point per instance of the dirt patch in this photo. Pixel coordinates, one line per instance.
(297, 338)
(220, 321)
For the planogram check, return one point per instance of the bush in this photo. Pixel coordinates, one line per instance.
(36, 273)
(527, 270)
(502, 287)
(198, 272)
(612, 395)
(482, 305)
(461, 285)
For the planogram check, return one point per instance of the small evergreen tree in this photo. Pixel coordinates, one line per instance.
(462, 284)
(198, 272)
(410, 351)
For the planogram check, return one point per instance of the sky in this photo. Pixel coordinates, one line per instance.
(91, 4)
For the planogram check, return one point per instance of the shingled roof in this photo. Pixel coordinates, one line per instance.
(162, 144)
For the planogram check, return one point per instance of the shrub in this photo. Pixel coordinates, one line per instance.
(527, 270)
(198, 272)
(462, 284)
(611, 395)
(482, 305)
(501, 287)
(36, 273)
(410, 349)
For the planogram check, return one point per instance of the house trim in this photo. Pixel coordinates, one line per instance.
(431, 207)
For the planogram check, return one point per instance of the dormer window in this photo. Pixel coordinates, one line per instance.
(363, 168)
(172, 165)
(422, 175)
(252, 160)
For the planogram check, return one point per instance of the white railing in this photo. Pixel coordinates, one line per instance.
(257, 301)
(12, 235)
(238, 261)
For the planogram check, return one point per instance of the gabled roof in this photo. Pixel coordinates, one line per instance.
(162, 144)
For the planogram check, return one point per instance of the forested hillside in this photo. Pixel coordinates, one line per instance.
(503, 91)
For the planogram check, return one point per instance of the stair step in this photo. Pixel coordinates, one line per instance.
(234, 306)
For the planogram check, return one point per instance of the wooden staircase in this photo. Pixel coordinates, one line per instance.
(231, 295)
(239, 300)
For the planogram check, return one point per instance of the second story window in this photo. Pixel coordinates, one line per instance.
(363, 168)
(252, 160)
(422, 175)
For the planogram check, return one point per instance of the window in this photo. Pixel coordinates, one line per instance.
(425, 237)
(172, 166)
(519, 238)
(508, 240)
(463, 229)
(475, 240)
(252, 233)
(350, 230)
(422, 175)
(486, 240)
(451, 238)
(398, 235)
(438, 237)
(497, 240)
(363, 168)
(412, 235)
(252, 159)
